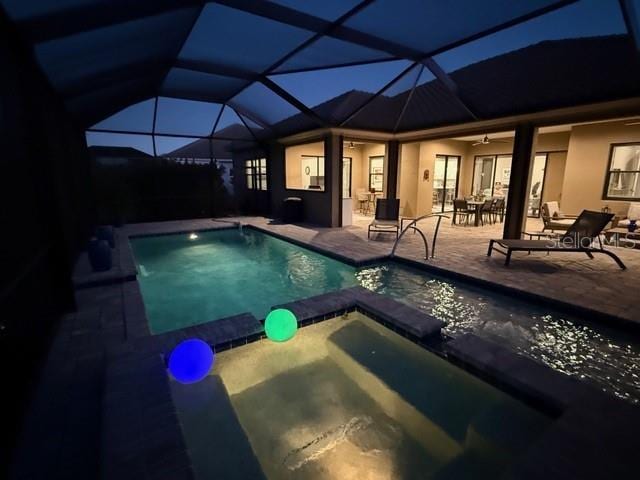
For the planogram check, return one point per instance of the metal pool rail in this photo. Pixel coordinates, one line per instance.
(412, 226)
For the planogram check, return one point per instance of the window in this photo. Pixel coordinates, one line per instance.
(312, 172)
(256, 173)
(304, 166)
(376, 173)
(623, 175)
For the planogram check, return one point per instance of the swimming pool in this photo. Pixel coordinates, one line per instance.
(187, 281)
(347, 398)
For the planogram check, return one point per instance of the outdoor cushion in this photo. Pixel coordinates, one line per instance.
(634, 211)
(383, 223)
(561, 221)
(553, 209)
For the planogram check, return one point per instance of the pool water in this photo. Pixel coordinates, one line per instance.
(186, 281)
(347, 398)
(605, 357)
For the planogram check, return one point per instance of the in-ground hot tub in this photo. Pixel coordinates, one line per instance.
(348, 398)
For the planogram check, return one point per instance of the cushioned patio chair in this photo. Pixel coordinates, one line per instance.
(387, 219)
(579, 238)
(554, 219)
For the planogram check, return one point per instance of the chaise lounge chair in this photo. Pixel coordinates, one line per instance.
(387, 217)
(579, 238)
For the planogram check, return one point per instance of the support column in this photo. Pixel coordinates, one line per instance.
(521, 164)
(333, 176)
(393, 155)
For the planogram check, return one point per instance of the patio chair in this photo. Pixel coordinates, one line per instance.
(387, 219)
(579, 238)
(553, 219)
(498, 210)
(485, 211)
(461, 210)
(363, 200)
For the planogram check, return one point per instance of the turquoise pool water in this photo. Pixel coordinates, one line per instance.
(186, 281)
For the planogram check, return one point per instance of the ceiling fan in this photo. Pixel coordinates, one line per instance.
(487, 141)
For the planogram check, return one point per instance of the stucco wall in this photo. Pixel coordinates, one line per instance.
(587, 162)
(408, 178)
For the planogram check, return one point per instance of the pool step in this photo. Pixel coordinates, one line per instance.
(218, 446)
(432, 438)
(502, 432)
(467, 466)
(432, 399)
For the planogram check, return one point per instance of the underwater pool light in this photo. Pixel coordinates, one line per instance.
(191, 361)
(193, 236)
(281, 325)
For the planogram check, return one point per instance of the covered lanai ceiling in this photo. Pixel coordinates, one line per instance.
(245, 70)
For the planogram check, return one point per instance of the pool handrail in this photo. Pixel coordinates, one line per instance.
(412, 226)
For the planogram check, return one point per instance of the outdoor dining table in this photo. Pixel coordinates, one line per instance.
(477, 205)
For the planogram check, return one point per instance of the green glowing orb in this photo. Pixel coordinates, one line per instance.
(281, 325)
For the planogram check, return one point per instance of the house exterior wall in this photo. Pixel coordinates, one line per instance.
(408, 178)
(587, 162)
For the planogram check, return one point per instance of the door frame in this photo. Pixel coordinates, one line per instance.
(458, 159)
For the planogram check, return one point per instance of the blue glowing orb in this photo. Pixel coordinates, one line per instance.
(280, 325)
(191, 361)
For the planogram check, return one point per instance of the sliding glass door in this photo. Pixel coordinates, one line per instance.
(537, 184)
(483, 176)
(491, 176)
(346, 177)
(445, 182)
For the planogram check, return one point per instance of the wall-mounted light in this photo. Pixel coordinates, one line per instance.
(193, 236)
